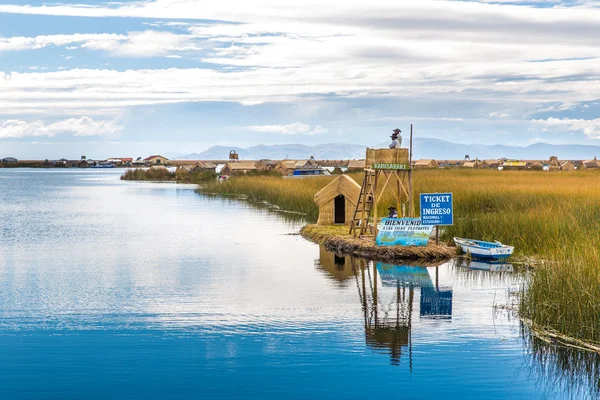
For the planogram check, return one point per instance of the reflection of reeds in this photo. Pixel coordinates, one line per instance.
(565, 369)
(550, 215)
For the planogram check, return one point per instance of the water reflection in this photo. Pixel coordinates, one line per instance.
(387, 296)
(568, 369)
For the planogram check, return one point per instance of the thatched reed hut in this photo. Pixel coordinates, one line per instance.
(238, 168)
(337, 201)
(591, 164)
(425, 164)
(356, 165)
(567, 166)
(553, 164)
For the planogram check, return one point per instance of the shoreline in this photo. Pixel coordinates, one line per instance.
(338, 240)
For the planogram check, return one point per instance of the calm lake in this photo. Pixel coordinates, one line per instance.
(128, 290)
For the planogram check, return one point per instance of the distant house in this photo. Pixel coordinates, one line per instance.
(425, 164)
(138, 163)
(156, 160)
(7, 161)
(514, 165)
(120, 161)
(265, 165)
(490, 164)
(238, 168)
(553, 164)
(83, 164)
(47, 164)
(537, 165)
(203, 166)
(356, 165)
(472, 164)
(183, 169)
(567, 166)
(591, 164)
(302, 167)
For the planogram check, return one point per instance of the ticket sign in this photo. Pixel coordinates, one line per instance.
(436, 209)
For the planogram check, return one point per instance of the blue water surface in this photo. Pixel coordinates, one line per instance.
(129, 290)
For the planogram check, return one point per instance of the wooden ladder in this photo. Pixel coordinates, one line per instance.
(364, 206)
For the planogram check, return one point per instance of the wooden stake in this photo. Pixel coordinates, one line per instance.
(410, 188)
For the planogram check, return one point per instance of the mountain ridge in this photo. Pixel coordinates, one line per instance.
(437, 149)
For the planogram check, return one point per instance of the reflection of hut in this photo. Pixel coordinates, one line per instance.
(337, 201)
(339, 268)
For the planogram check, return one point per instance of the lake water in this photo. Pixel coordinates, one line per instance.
(128, 290)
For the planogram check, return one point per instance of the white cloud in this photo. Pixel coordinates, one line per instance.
(83, 126)
(297, 128)
(134, 44)
(590, 127)
(498, 114)
(277, 51)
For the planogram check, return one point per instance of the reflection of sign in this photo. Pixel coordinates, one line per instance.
(403, 232)
(391, 166)
(436, 209)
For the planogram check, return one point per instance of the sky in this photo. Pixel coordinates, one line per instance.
(133, 78)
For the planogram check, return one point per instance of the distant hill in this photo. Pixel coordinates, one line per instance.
(422, 148)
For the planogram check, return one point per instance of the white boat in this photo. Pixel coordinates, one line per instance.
(484, 250)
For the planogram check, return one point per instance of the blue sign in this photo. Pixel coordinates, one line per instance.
(403, 232)
(436, 209)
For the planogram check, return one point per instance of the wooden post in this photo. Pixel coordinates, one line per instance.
(375, 201)
(410, 188)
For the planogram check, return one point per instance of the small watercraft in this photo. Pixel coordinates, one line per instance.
(484, 250)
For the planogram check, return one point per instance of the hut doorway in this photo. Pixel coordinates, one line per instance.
(339, 209)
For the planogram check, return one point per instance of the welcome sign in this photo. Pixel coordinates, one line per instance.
(403, 232)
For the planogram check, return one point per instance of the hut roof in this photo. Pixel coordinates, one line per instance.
(423, 162)
(514, 164)
(204, 165)
(342, 184)
(357, 164)
(154, 156)
(241, 165)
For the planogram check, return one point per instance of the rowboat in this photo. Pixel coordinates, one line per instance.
(484, 250)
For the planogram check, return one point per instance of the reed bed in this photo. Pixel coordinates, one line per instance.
(338, 240)
(552, 216)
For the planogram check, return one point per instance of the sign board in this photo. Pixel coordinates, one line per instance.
(403, 232)
(390, 166)
(436, 209)
(387, 159)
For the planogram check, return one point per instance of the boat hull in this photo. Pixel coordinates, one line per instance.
(485, 250)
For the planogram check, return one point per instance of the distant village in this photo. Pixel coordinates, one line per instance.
(233, 165)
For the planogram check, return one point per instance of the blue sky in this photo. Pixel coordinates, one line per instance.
(178, 76)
